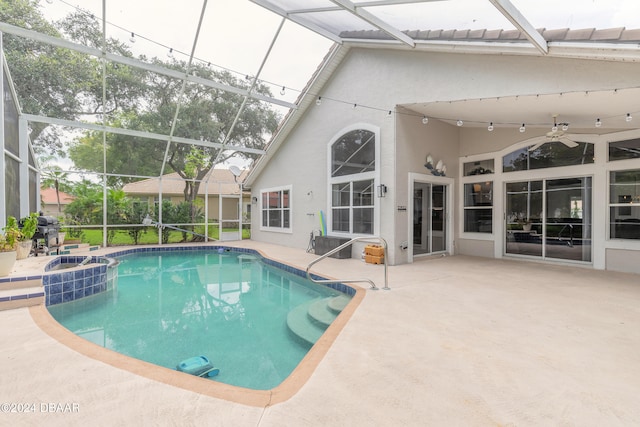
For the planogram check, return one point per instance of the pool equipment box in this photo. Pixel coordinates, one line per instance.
(374, 254)
(326, 244)
(375, 250)
(372, 259)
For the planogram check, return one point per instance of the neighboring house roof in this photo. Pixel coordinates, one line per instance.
(614, 44)
(220, 181)
(48, 197)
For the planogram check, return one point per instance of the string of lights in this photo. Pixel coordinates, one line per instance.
(460, 121)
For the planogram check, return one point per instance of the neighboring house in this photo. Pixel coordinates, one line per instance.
(469, 142)
(219, 188)
(49, 202)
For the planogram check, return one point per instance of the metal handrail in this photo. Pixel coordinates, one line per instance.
(344, 245)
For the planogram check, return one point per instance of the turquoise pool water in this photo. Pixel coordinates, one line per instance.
(229, 307)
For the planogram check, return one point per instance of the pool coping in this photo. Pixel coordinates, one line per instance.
(257, 398)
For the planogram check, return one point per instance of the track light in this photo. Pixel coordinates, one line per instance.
(598, 123)
(132, 39)
(522, 128)
(282, 91)
(425, 120)
(319, 100)
(490, 127)
(459, 123)
(629, 117)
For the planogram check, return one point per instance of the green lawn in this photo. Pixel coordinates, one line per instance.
(148, 237)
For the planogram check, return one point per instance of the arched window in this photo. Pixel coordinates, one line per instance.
(353, 166)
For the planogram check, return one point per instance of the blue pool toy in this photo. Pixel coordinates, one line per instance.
(198, 366)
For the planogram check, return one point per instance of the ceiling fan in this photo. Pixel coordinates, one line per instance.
(569, 139)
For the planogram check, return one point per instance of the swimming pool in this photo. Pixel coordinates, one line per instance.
(251, 319)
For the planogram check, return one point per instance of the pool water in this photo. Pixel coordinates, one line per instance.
(170, 306)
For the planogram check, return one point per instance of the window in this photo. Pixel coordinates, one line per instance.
(549, 155)
(352, 210)
(481, 167)
(276, 209)
(478, 207)
(622, 150)
(624, 204)
(353, 165)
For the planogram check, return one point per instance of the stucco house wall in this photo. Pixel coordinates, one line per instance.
(391, 80)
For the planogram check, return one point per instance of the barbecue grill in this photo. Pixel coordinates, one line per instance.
(46, 234)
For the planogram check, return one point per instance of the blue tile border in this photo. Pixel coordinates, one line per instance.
(68, 285)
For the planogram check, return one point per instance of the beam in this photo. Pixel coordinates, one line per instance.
(375, 21)
(136, 133)
(521, 23)
(298, 20)
(132, 62)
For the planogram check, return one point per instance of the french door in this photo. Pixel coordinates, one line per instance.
(549, 218)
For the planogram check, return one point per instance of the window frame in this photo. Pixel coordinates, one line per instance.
(281, 209)
(373, 176)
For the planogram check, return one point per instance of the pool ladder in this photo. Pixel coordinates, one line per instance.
(347, 244)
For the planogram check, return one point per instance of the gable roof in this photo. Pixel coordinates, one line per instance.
(612, 44)
(48, 196)
(220, 181)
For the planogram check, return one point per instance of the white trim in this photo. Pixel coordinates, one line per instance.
(287, 230)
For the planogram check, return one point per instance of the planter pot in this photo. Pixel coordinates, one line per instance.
(526, 227)
(61, 236)
(24, 249)
(7, 260)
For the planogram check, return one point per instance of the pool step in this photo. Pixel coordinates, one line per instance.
(308, 321)
(73, 248)
(24, 293)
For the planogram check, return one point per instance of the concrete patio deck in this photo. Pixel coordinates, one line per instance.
(457, 341)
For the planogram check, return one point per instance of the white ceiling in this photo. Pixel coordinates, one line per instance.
(579, 109)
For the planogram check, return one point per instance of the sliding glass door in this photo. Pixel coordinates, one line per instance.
(549, 218)
(429, 218)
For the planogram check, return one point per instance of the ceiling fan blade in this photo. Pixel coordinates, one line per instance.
(538, 145)
(569, 143)
(584, 137)
(537, 141)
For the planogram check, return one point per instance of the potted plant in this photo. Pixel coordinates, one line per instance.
(25, 241)
(8, 244)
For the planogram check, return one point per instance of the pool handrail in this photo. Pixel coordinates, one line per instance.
(347, 244)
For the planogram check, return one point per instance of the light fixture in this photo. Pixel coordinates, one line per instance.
(522, 128)
(459, 122)
(354, 106)
(170, 53)
(254, 200)
(555, 126)
(490, 127)
(132, 39)
(382, 190)
(282, 91)
(389, 114)
(319, 100)
(429, 164)
(565, 127)
(425, 120)
(598, 123)
(629, 117)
